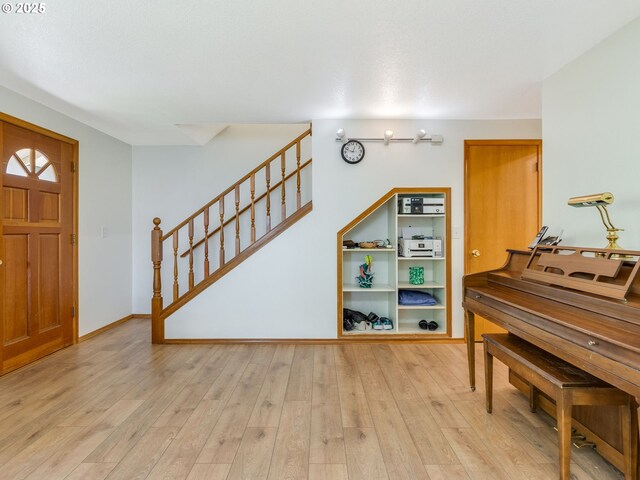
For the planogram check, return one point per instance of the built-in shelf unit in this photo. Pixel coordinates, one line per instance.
(384, 221)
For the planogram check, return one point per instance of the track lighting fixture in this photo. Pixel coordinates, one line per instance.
(419, 136)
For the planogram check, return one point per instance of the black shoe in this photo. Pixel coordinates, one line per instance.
(425, 325)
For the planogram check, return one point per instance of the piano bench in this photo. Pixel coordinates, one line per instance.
(566, 384)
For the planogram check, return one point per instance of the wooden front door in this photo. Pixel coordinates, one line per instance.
(36, 275)
(502, 204)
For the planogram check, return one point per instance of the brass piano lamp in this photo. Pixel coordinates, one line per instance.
(600, 201)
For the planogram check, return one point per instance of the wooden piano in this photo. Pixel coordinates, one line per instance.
(580, 304)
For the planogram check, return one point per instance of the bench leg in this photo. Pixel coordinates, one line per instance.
(563, 408)
(533, 398)
(488, 377)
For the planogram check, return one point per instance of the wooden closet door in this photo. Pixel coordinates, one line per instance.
(36, 275)
(502, 204)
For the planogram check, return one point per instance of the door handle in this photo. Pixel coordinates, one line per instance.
(0, 262)
(475, 253)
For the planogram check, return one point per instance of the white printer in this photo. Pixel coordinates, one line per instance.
(417, 242)
(427, 247)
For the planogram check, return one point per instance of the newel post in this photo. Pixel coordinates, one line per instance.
(157, 323)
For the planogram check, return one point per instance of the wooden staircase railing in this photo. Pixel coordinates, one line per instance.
(184, 233)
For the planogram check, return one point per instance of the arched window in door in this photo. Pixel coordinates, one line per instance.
(29, 162)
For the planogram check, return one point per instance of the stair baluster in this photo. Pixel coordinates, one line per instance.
(253, 207)
(206, 242)
(221, 231)
(176, 287)
(298, 195)
(191, 253)
(237, 220)
(268, 179)
(283, 166)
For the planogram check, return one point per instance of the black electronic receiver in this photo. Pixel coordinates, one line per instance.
(539, 236)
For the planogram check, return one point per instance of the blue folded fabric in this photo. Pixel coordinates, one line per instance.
(415, 297)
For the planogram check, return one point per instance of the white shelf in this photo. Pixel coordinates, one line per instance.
(420, 259)
(420, 215)
(370, 332)
(419, 287)
(368, 249)
(421, 307)
(409, 327)
(376, 288)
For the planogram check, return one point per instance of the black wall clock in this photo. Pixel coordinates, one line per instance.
(352, 151)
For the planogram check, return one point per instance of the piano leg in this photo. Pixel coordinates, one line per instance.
(635, 425)
(488, 378)
(469, 320)
(629, 439)
(564, 405)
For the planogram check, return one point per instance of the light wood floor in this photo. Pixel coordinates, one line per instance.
(117, 407)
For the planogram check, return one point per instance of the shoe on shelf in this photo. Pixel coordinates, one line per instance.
(377, 325)
(428, 325)
(387, 324)
(363, 325)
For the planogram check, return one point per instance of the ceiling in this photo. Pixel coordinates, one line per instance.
(135, 70)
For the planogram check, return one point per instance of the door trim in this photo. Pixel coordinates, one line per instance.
(75, 183)
(475, 143)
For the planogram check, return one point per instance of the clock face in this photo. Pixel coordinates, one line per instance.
(352, 151)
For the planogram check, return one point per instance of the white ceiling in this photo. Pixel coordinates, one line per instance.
(136, 69)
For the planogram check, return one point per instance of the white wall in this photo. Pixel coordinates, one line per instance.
(173, 182)
(104, 200)
(591, 132)
(288, 289)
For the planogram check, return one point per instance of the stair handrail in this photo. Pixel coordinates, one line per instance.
(244, 209)
(239, 182)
